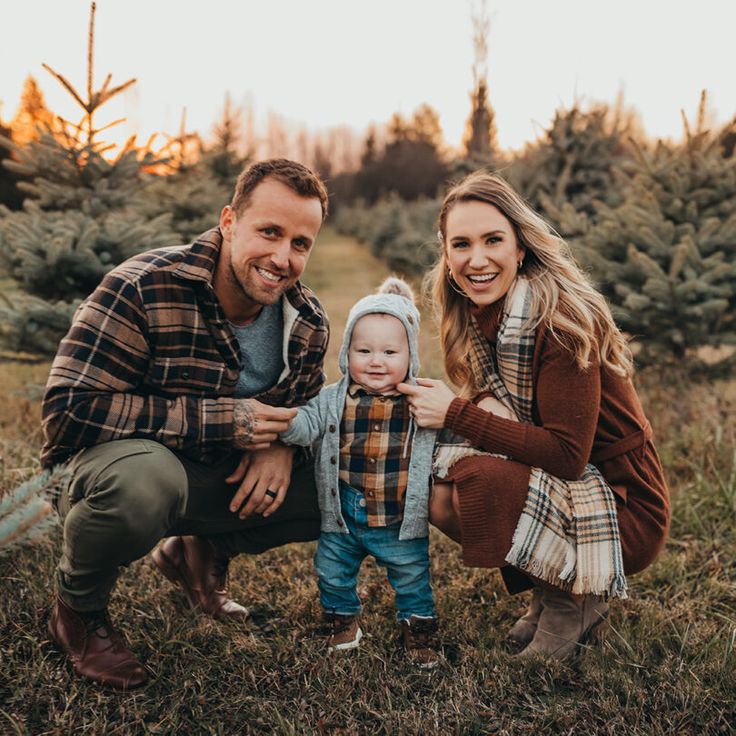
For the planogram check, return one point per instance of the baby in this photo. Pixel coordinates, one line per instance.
(373, 467)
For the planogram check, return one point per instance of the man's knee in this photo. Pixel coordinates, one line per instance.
(142, 483)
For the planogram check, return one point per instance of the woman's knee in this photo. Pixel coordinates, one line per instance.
(442, 510)
(455, 502)
(643, 535)
(639, 555)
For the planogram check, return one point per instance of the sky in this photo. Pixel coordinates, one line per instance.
(322, 63)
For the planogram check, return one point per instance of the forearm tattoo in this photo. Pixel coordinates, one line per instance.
(244, 423)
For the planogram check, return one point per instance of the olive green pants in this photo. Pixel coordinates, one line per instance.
(124, 496)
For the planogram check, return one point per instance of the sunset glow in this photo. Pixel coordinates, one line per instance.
(327, 63)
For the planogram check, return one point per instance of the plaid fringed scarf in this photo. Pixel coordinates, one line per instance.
(567, 534)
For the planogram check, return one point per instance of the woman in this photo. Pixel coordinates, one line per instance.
(564, 481)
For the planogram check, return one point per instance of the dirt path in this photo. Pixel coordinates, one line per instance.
(341, 270)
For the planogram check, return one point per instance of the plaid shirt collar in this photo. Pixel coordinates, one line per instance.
(355, 390)
(200, 262)
(113, 355)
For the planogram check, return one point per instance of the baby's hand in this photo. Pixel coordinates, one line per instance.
(492, 405)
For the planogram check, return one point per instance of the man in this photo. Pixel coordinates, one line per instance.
(163, 399)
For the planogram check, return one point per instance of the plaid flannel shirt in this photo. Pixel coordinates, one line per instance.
(150, 355)
(373, 434)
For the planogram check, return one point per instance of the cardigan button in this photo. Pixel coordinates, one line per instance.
(339, 522)
(333, 491)
(332, 428)
(333, 460)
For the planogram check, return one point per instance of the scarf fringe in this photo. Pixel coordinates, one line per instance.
(447, 455)
(604, 584)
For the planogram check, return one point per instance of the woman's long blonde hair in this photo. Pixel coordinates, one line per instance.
(562, 296)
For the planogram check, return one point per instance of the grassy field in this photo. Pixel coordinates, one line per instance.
(668, 665)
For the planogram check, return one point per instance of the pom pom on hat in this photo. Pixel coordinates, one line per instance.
(395, 285)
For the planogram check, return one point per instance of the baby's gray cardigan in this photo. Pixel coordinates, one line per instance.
(319, 422)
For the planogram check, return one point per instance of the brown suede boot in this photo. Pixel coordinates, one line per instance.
(419, 640)
(345, 632)
(567, 621)
(522, 632)
(95, 649)
(194, 564)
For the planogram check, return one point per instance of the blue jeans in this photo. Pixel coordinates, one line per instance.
(340, 555)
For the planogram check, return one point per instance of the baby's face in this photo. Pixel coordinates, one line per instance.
(378, 356)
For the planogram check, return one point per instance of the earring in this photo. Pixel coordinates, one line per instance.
(453, 284)
(519, 264)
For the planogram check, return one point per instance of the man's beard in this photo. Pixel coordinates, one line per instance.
(240, 284)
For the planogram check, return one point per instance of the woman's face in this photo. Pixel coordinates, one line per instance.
(482, 251)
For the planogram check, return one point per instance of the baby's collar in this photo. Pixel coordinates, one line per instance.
(355, 388)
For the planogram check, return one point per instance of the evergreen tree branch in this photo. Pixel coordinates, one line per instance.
(26, 512)
(67, 85)
(105, 96)
(90, 50)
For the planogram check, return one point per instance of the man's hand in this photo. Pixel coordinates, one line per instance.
(264, 477)
(429, 401)
(257, 425)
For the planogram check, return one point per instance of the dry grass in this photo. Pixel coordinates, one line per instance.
(667, 666)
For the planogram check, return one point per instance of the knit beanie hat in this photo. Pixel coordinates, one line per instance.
(394, 297)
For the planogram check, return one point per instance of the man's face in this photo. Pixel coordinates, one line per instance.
(265, 248)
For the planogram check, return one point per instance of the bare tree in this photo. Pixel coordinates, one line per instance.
(480, 139)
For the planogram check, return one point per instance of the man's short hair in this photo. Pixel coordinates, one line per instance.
(296, 176)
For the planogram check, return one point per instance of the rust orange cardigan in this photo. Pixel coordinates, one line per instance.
(580, 416)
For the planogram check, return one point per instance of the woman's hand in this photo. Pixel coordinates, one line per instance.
(428, 401)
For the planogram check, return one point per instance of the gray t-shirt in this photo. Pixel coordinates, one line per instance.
(261, 347)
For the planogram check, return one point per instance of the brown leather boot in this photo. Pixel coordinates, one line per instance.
(194, 564)
(522, 632)
(95, 649)
(567, 621)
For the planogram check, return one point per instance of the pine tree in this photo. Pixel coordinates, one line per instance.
(10, 195)
(183, 150)
(369, 153)
(426, 127)
(190, 200)
(580, 158)
(322, 161)
(728, 138)
(198, 182)
(224, 158)
(400, 233)
(32, 116)
(83, 216)
(666, 256)
(480, 139)
(26, 512)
